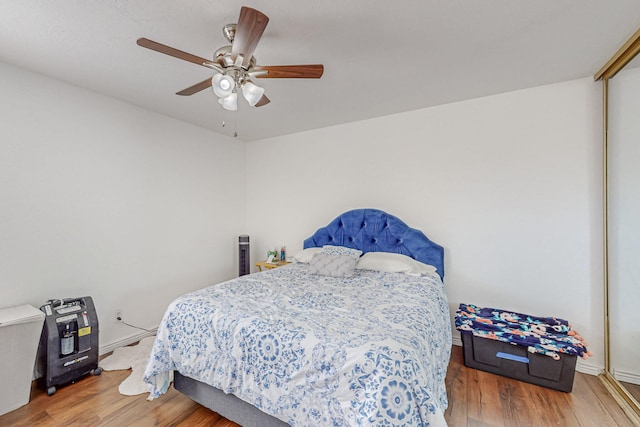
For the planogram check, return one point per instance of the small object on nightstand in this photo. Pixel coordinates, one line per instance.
(270, 265)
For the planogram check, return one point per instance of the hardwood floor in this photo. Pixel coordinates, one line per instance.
(634, 389)
(476, 399)
(95, 401)
(480, 399)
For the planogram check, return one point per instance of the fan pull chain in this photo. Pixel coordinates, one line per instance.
(235, 133)
(235, 124)
(235, 121)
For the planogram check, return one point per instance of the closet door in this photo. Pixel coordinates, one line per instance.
(624, 226)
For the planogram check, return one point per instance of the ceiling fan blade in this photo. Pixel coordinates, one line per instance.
(251, 25)
(263, 101)
(195, 88)
(168, 50)
(311, 71)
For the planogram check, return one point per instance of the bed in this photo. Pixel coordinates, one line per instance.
(357, 332)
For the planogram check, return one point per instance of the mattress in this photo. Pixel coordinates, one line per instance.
(371, 349)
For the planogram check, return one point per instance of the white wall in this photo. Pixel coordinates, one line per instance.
(510, 185)
(101, 198)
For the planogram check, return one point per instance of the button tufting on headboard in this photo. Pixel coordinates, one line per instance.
(373, 230)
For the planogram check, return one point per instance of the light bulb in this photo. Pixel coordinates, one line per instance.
(222, 85)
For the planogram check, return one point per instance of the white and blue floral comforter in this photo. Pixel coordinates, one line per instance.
(371, 349)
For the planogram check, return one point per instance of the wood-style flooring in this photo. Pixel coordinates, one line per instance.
(476, 399)
(634, 389)
(480, 399)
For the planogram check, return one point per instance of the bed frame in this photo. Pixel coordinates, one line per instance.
(369, 230)
(227, 405)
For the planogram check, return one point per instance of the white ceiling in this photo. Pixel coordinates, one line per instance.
(380, 57)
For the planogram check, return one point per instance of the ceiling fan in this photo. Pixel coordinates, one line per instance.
(235, 64)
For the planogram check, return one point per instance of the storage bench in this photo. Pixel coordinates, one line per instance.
(516, 362)
(537, 350)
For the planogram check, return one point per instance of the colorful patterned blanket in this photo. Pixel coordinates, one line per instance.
(545, 335)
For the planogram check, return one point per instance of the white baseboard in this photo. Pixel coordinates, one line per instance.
(108, 348)
(585, 367)
(627, 377)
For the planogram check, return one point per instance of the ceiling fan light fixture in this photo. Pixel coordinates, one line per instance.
(223, 85)
(252, 93)
(235, 64)
(230, 102)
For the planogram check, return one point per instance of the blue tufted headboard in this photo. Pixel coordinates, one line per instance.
(372, 230)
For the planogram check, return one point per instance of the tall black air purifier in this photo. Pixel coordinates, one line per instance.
(243, 255)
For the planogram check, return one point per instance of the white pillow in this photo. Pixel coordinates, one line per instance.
(305, 255)
(394, 263)
(341, 250)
